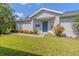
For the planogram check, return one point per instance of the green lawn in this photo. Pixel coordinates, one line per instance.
(25, 45)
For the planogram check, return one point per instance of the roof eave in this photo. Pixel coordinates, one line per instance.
(59, 12)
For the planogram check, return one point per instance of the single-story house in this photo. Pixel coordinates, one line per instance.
(45, 19)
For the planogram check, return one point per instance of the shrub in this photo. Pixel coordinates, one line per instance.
(27, 31)
(13, 30)
(17, 31)
(30, 32)
(75, 26)
(24, 31)
(34, 31)
(58, 30)
(20, 31)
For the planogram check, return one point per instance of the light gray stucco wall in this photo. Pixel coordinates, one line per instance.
(39, 22)
(56, 21)
(52, 18)
(50, 24)
(45, 14)
(38, 28)
(68, 23)
(24, 25)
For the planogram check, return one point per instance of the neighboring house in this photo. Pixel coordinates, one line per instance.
(45, 19)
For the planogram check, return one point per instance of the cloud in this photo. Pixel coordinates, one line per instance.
(29, 5)
(19, 14)
(23, 3)
(26, 4)
(38, 4)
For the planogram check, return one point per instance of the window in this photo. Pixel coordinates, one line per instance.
(19, 26)
(51, 27)
(37, 25)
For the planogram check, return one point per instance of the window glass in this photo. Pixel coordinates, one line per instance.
(37, 25)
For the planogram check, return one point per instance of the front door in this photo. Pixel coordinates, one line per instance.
(45, 26)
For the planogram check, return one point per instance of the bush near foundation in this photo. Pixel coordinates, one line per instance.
(58, 30)
(34, 31)
(27, 31)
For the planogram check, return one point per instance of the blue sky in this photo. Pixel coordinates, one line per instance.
(26, 9)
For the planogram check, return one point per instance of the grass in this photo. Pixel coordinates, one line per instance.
(16, 45)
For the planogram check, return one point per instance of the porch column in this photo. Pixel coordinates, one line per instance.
(56, 21)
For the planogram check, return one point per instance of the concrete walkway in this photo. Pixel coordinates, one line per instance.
(33, 35)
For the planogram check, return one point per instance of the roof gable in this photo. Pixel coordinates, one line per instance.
(45, 9)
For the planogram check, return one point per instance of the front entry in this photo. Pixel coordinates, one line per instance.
(45, 26)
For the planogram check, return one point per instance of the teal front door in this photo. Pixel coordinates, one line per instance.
(45, 26)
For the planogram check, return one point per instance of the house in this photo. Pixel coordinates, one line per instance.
(45, 19)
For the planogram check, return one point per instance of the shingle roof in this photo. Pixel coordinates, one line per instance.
(71, 11)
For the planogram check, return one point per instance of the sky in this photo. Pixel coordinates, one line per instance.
(26, 9)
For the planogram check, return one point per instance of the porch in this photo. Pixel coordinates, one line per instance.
(45, 24)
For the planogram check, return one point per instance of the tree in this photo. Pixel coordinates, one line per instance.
(13, 29)
(5, 18)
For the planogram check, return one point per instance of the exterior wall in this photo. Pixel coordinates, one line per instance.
(31, 25)
(24, 25)
(45, 14)
(67, 23)
(39, 28)
(52, 18)
(50, 24)
(56, 21)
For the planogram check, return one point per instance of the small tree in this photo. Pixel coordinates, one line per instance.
(58, 30)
